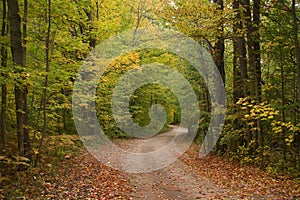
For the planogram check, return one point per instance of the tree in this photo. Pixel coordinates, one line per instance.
(240, 70)
(297, 55)
(3, 120)
(19, 60)
(296, 44)
(46, 83)
(219, 48)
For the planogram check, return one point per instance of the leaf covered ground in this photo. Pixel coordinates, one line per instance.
(245, 181)
(83, 177)
(78, 175)
(65, 171)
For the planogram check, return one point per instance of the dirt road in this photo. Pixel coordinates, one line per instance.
(177, 181)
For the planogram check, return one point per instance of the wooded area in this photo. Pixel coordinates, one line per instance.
(254, 43)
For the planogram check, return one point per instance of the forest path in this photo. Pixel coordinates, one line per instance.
(177, 181)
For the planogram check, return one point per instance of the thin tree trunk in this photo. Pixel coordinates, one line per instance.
(253, 40)
(3, 121)
(218, 55)
(297, 54)
(240, 51)
(47, 62)
(257, 58)
(97, 10)
(240, 70)
(283, 118)
(240, 58)
(27, 145)
(3, 116)
(139, 20)
(297, 45)
(219, 46)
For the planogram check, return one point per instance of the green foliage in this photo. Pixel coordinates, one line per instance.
(146, 96)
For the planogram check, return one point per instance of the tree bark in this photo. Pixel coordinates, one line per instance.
(18, 57)
(252, 21)
(3, 121)
(219, 47)
(240, 70)
(240, 56)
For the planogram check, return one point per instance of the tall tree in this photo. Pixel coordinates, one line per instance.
(240, 71)
(219, 47)
(46, 83)
(297, 54)
(19, 60)
(4, 32)
(252, 21)
(296, 44)
(27, 145)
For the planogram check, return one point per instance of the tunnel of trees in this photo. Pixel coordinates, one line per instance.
(254, 44)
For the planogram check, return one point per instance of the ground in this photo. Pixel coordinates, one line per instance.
(78, 175)
(213, 177)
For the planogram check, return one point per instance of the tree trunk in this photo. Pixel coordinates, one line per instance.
(297, 45)
(3, 121)
(219, 47)
(27, 145)
(297, 54)
(240, 56)
(18, 57)
(240, 70)
(257, 58)
(253, 41)
(45, 99)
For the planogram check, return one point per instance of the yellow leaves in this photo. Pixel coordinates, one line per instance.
(277, 129)
(262, 111)
(288, 128)
(241, 100)
(35, 151)
(253, 111)
(246, 116)
(128, 61)
(289, 139)
(251, 123)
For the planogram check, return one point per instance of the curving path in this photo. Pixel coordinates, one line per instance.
(177, 181)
